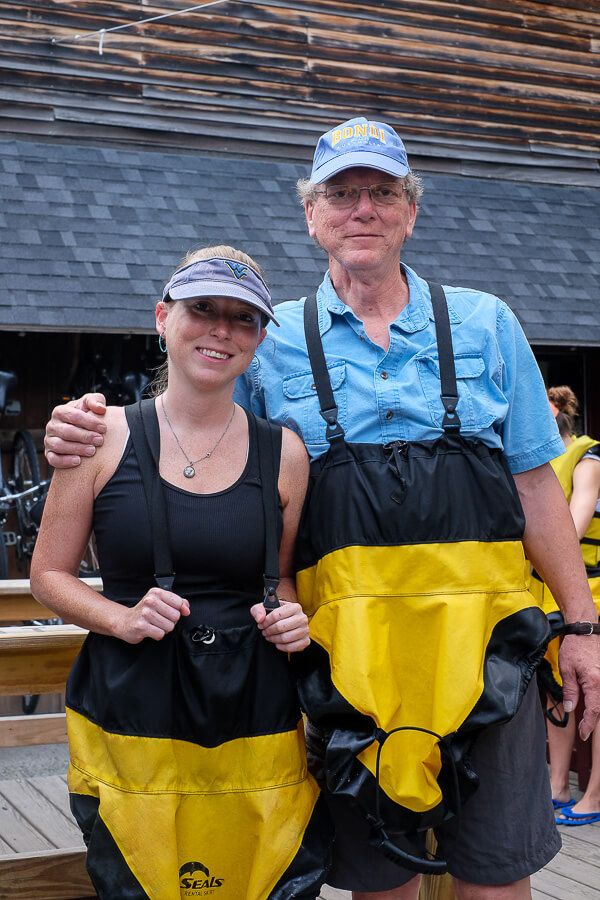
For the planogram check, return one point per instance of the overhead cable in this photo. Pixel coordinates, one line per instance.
(102, 32)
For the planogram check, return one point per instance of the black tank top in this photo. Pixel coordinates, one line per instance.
(217, 540)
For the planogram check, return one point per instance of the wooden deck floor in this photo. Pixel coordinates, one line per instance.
(35, 815)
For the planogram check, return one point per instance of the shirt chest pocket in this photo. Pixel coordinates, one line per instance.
(475, 408)
(301, 404)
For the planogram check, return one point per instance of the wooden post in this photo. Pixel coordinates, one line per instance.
(36, 659)
(436, 887)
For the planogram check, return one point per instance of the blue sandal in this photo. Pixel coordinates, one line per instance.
(568, 817)
(562, 804)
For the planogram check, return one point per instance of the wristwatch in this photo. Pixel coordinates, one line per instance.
(581, 628)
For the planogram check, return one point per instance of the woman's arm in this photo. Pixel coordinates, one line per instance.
(287, 627)
(586, 490)
(64, 533)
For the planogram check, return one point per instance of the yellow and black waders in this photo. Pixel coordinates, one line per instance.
(412, 571)
(549, 677)
(188, 771)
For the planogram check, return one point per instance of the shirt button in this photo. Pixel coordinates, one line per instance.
(362, 337)
(385, 376)
(389, 414)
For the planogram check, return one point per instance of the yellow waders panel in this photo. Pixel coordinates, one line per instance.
(242, 807)
(381, 639)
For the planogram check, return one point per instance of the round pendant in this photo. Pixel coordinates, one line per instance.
(189, 471)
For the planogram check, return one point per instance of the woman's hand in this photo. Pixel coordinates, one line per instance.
(286, 627)
(155, 615)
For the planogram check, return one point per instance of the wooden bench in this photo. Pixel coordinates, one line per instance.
(36, 660)
(17, 604)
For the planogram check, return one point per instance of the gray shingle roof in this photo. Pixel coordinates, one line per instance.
(89, 235)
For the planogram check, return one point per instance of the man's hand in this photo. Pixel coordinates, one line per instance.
(155, 615)
(579, 660)
(75, 430)
(286, 627)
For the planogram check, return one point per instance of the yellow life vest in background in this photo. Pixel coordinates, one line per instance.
(564, 466)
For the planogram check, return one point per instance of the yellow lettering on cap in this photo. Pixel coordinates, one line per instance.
(373, 131)
(337, 136)
(360, 130)
(382, 135)
(347, 133)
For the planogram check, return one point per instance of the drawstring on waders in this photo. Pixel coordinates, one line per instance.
(379, 838)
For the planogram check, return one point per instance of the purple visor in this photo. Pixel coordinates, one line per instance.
(220, 277)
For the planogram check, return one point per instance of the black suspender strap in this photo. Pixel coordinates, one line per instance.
(329, 410)
(268, 442)
(145, 437)
(449, 393)
(328, 407)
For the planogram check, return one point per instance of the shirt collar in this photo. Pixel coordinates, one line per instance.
(414, 317)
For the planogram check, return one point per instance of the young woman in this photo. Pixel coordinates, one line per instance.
(188, 772)
(578, 471)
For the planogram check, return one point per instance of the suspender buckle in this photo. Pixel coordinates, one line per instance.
(451, 421)
(334, 429)
(270, 599)
(165, 581)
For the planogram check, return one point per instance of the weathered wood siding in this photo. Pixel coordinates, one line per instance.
(508, 72)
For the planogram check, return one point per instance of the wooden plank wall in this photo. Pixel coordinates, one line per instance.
(508, 72)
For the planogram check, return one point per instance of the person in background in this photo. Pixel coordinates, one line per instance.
(578, 470)
(188, 764)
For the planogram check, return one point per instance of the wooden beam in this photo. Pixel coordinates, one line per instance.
(37, 659)
(17, 604)
(26, 731)
(46, 875)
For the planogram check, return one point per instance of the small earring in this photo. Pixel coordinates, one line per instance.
(162, 344)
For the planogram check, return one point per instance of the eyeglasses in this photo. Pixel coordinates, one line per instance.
(343, 196)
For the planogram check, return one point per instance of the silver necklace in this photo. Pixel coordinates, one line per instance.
(189, 470)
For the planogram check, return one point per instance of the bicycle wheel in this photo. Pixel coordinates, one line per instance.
(24, 462)
(25, 472)
(3, 557)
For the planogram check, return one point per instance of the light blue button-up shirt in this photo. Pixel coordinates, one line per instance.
(394, 394)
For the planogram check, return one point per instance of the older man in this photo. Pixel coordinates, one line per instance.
(418, 405)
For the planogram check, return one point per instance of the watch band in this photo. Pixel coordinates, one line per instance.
(585, 628)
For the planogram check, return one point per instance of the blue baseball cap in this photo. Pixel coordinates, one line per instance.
(359, 142)
(220, 277)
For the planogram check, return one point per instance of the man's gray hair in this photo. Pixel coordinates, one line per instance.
(412, 184)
